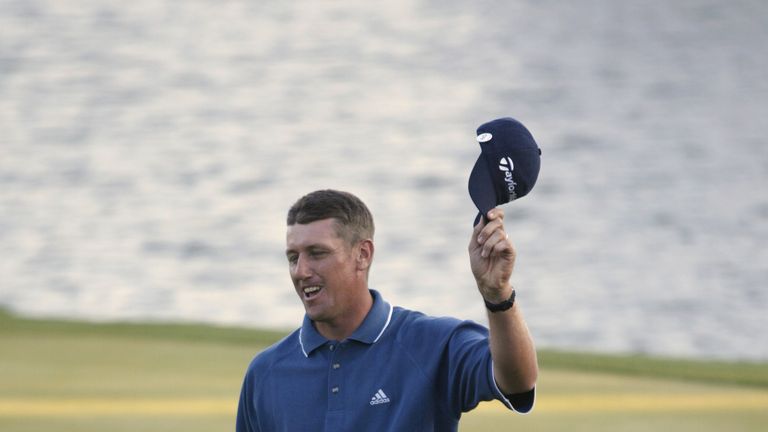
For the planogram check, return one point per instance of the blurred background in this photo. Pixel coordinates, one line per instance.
(149, 151)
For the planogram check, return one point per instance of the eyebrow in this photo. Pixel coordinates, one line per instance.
(310, 248)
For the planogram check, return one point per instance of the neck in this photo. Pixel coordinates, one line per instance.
(342, 327)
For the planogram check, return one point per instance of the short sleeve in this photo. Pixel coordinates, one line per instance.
(246, 413)
(470, 372)
(521, 403)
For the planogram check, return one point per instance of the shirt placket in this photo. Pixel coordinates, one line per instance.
(337, 392)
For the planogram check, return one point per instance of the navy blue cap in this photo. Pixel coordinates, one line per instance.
(508, 165)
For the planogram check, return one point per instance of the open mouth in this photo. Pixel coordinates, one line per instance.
(312, 291)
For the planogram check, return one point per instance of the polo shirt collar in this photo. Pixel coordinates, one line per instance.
(375, 322)
(369, 332)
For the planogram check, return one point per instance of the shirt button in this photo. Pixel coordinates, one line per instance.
(335, 390)
(336, 365)
(331, 347)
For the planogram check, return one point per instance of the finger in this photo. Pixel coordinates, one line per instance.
(478, 229)
(497, 241)
(495, 213)
(473, 242)
(490, 228)
(480, 225)
(503, 248)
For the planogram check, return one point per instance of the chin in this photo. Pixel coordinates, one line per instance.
(314, 314)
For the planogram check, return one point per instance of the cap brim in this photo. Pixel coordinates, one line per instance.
(481, 188)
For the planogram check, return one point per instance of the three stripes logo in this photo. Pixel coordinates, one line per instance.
(507, 166)
(379, 398)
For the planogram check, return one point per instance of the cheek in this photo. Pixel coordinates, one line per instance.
(337, 270)
(292, 273)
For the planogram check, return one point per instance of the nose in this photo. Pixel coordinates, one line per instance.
(301, 269)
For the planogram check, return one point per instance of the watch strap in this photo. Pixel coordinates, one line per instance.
(500, 307)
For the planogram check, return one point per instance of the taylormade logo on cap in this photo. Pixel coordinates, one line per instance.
(484, 137)
(507, 166)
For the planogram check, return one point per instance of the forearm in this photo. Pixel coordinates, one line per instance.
(515, 366)
(492, 258)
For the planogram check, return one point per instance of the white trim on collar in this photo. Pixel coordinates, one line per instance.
(386, 324)
(301, 343)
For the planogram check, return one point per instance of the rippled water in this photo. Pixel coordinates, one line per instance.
(150, 149)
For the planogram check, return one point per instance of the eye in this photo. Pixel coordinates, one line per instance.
(292, 258)
(318, 253)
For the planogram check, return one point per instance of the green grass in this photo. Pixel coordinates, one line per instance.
(750, 374)
(44, 361)
(10, 323)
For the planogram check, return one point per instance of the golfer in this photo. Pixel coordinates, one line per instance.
(359, 364)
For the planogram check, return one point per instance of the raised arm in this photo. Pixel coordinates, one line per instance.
(492, 259)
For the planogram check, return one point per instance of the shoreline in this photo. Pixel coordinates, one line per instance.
(741, 373)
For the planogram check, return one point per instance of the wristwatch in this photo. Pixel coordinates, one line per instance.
(499, 307)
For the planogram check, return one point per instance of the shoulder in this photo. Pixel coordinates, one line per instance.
(414, 326)
(266, 359)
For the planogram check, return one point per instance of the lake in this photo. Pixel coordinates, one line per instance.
(149, 151)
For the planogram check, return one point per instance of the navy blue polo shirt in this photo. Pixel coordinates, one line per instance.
(400, 370)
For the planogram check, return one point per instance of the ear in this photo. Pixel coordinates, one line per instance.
(364, 254)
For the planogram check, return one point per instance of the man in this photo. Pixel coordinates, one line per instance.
(357, 363)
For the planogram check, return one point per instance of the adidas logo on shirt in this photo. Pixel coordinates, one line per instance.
(379, 398)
